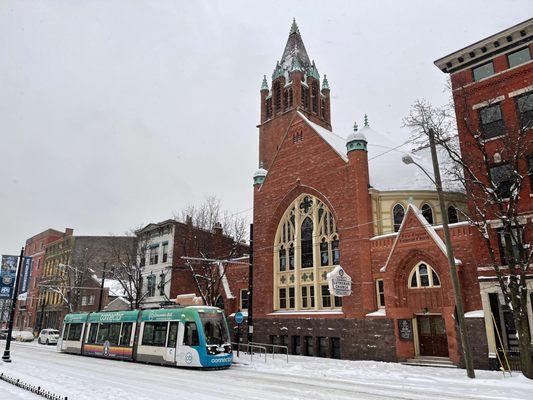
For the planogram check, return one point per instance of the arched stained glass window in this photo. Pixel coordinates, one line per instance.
(306, 248)
(423, 276)
(427, 212)
(452, 215)
(398, 212)
(307, 243)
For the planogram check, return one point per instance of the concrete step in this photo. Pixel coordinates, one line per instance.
(439, 362)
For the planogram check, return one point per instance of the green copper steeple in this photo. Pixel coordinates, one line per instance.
(264, 84)
(325, 83)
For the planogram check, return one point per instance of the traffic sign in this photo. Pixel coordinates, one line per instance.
(239, 317)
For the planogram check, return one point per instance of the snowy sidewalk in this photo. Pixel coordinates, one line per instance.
(302, 378)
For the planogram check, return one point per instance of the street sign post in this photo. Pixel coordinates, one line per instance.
(239, 318)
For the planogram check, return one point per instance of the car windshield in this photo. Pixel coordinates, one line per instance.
(215, 328)
(53, 332)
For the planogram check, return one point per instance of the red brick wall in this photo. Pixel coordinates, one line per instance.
(312, 166)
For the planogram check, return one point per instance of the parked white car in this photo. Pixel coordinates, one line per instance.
(22, 336)
(48, 336)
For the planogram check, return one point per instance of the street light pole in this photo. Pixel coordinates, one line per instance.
(451, 260)
(7, 351)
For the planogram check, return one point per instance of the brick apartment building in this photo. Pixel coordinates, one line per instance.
(492, 84)
(322, 200)
(26, 312)
(72, 262)
(166, 275)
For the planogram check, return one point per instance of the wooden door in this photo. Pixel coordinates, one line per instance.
(432, 336)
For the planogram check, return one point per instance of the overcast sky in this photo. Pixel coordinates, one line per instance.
(114, 114)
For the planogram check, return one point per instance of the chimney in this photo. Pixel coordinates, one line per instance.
(217, 228)
(69, 231)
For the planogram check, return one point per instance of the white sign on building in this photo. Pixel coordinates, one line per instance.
(340, 283)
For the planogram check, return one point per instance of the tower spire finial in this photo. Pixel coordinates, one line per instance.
(294, 27)
(264, 84)
(355, 127)
(366, 120)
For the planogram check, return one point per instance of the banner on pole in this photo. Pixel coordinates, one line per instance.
(8, 271)
(25, 278)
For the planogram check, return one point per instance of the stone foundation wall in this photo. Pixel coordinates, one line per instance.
(360, 339)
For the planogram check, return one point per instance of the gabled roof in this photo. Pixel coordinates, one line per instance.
(412, 209)
(338, 143)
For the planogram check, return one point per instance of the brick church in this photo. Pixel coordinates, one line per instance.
(324, 199)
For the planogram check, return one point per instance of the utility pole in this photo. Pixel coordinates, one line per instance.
(251, 287)
(7, 351)
(102, 288)
(451, 260)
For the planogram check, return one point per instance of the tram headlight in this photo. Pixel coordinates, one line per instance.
(227, 348)
(212, 350)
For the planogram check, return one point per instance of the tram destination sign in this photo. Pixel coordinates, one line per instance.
(339, 282)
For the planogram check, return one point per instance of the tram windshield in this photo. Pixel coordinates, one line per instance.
(215, 328)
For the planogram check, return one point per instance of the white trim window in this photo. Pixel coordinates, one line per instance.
(423, 276)
(306, 248)
(380, 293)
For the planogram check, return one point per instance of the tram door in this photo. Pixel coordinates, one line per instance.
(172, 341)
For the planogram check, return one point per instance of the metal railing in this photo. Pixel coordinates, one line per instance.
(250, 348)
(32, 388)
(284, 349)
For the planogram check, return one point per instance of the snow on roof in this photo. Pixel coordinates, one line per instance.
(114, 286)
(386, 169)
(225, 283)
(429, 229)
(338, 143)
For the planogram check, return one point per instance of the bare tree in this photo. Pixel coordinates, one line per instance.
(130, 258)
(70, 280)
(493, 195)
(209, 215)
(209, 271)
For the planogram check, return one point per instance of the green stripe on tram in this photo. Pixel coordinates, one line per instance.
(75, 318)
(114, 316)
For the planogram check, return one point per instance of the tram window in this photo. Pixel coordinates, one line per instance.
(74, 332)
(154, 334)
(102, 333)
(113, 334)
(173, 334)
(92, 333)
(125, 335)
(65, 332)
(190, 338)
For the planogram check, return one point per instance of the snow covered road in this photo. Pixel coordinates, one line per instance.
(303, 378)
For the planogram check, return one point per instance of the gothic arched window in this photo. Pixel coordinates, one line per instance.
(427, 212)
(277, 97)
(398, 212)
(306, 248)
(288, 98)
(314, 97)
(452, 215)
(423, 276)
(305, 97)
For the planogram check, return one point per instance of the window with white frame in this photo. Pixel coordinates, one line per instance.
(150, 285)
(165, 251)
(90, 300)
(380, 293)
(162, 284)
(423, 276)
(306, 248)
(427, 212)
(398, 213)
(154, 254)
(83, 300)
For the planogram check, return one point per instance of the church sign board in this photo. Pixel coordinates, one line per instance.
(339, 283)
(405, 329)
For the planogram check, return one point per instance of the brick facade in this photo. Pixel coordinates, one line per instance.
(299, 160)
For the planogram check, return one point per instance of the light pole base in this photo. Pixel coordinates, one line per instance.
(5, 357)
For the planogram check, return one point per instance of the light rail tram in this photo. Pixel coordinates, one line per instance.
(192, 336)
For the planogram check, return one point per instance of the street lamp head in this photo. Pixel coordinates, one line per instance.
(407, 159)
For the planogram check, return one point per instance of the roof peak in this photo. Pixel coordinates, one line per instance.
(295, 49)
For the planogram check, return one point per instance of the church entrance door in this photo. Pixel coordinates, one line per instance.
(432, 336)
